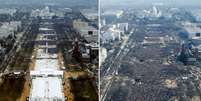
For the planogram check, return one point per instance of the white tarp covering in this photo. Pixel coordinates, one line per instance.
(46, 61)
(46, 77)
(41, 53)
(45, 29)
(47, 89)
(46, 64)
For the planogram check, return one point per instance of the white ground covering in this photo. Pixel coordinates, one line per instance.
(46, 78)
(41, 53)
(42, 64)
(45, 29)
(46, 88)
(46, 61)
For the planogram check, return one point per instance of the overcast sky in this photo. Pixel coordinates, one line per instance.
(147, 2)
(70, 2)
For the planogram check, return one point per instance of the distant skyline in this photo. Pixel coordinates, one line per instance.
(150, 2)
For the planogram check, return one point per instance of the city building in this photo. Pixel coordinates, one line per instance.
(87, 31)
(8, 28)
(43, 13)
(103, 55)
(111, 34)
(90, 14)
(7, 11)
(90, 52)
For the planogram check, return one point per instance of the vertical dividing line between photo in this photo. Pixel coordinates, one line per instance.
(99, 49)
(99, 31)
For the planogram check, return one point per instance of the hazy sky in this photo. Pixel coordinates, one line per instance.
(70, 2)
(147, 2)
